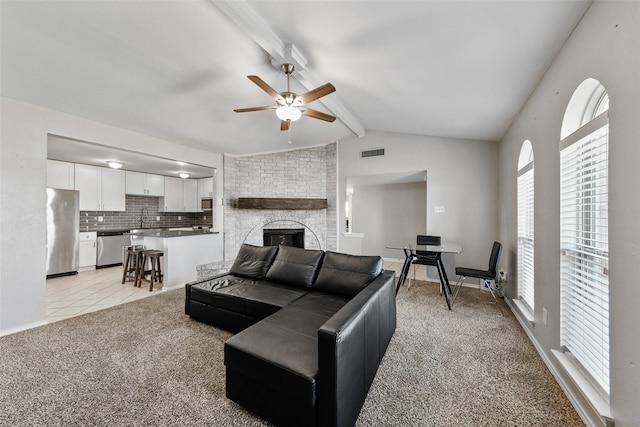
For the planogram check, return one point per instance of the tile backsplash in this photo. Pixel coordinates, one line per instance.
(130, 218)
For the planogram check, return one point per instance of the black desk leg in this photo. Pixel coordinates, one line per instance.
(405, 270)
(445, 288)
(444, 273)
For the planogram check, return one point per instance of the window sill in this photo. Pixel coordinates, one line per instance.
(597, 402)
(524, 310)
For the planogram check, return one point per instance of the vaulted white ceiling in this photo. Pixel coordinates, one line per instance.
(176, 69)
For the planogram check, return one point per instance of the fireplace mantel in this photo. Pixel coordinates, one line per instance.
(280, 203)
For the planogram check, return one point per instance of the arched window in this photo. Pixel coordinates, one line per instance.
(584, 237)
(525, 226)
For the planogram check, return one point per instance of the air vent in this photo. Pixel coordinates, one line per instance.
(372, 153)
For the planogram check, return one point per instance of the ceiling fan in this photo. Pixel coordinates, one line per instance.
(290, 106)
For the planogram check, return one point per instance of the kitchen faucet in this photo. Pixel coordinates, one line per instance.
(142, 217)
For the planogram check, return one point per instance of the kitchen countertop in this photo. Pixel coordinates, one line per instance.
(173, 233)
(133, 230)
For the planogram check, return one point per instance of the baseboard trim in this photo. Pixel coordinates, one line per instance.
(22, 328)
(584, 409)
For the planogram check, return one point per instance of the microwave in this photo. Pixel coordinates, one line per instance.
(207, 204)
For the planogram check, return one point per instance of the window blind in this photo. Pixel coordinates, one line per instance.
(584, 258)
(525, 236)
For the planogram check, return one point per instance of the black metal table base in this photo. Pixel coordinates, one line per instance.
(445, 287)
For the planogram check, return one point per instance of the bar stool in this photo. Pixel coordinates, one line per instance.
(155, 273)
(131, 264)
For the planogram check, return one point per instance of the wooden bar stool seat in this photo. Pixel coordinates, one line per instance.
(155, 273)
(131, 265)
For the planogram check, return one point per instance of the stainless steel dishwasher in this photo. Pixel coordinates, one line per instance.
(110, 245)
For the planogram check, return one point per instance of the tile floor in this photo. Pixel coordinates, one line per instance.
(94, 290)
(88, 291)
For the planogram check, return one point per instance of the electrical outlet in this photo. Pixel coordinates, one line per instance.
(179, 218)
(545, 317)
(100, 219)
(205, 218)
(158, 218)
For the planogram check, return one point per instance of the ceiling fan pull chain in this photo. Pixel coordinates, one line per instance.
(289, 133)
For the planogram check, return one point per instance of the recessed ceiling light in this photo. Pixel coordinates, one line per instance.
(115, 165)
(181, 163)
(183, 175)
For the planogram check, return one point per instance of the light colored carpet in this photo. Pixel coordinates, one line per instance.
(146, 363)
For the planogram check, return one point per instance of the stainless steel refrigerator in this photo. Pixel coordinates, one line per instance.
(63, 227)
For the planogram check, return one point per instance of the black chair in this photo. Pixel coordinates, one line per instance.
(425, 257)
(489, 274)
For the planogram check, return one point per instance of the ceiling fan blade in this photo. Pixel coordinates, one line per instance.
(246, 110)
(284, 124)
(316, 93)
(318, 115)
(265, 87)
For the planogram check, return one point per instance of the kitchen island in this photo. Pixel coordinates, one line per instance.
(183, 251)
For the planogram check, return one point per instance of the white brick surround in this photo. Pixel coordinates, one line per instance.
(304, 173)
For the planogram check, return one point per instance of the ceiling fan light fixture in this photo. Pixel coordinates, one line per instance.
(183, 175)
(287, 112)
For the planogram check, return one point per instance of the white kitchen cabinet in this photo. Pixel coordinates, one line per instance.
(191, 202)
(155, 185)
(144, 184)
(60, 175)
(87, 258)
(113, 189)
(86, 181)
(173, 195)
(101, 189)
(180, 195)
(205, 187)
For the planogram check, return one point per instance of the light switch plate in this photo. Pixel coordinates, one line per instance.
(439, 209)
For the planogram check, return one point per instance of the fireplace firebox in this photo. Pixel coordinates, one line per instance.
(283, 236)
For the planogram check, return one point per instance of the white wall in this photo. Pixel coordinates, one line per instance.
(22, 197)
(461, 176)
(375, 213)
(604, 46)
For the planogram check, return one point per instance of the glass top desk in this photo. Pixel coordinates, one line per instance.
(410, 254)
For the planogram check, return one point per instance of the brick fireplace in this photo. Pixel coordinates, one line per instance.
(305, 173)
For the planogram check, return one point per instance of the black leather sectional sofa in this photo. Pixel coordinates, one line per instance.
(312, 330)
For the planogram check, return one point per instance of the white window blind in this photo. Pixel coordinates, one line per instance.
(525, 236)
(584, 244)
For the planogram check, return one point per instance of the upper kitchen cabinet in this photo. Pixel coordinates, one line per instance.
(190, 196)
(101, 189)
(173, 195)
(205, 188)
(180, 195)
(144, 184)
(60, 175)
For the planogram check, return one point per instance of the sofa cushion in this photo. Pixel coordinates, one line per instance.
(347, 274)
(255, 298)
(281, 352)
(295, 266)
(320, 303)
(253, 261)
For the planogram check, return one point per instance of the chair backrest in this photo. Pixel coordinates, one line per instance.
(422, 239)
(493, 260)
